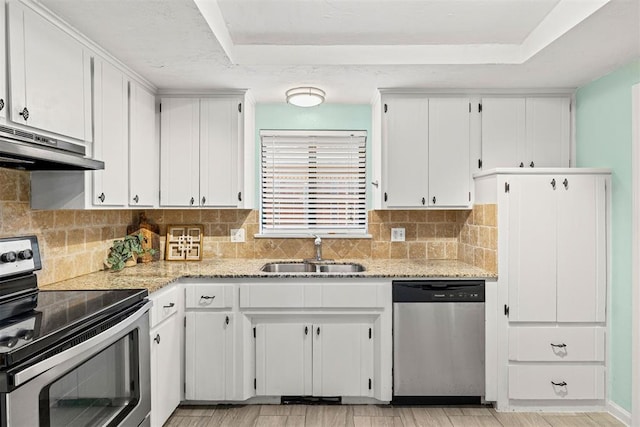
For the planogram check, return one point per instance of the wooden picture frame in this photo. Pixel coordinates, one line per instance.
(184, 242)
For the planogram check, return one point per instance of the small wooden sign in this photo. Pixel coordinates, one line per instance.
(184, 242)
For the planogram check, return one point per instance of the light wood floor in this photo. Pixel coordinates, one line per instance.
(375, 415)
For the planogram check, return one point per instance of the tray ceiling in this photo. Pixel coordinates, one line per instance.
(350, 48)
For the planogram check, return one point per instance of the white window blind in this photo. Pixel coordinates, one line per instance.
(313, 182)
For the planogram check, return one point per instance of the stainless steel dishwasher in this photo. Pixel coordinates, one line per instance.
(438, 341)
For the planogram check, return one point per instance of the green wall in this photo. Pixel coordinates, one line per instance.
(603, 139)
(322, 117)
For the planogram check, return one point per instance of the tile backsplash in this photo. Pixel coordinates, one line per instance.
(76, 242)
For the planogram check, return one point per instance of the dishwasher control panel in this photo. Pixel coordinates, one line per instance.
(408, 291)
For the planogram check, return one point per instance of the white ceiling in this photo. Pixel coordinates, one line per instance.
(350, 48)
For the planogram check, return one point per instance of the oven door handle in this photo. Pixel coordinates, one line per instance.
(94, 344)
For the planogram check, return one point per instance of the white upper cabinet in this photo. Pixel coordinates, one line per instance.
(220, 130)
(201, 152)
(557, 248)
(144, 148)
(405, 152)
(111, 135)
(3, 63)
(179, 145)
(449, 182)
(548, 132)
(50, 76)
(425, 152)
(503, 132)
(526, 131)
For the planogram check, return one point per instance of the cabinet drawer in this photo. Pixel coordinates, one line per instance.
(562, 344)
(274, 296)
(209, 296)
(165, 303)
(574, 382)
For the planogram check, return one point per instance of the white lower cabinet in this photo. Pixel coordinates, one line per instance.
(209, 355)
(557, 344)
(319, 359)
(554, 382)
(165, 351)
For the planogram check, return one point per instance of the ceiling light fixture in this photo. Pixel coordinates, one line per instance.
(305, 96)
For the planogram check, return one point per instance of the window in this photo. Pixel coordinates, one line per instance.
(313, 182)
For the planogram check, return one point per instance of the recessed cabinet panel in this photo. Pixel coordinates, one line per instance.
(165, 370)
(283, 359)
(548, 132)
(449, 152)
(4, 100)
(581, 249)
(220, 121)
(111, 136)
(50, 76)
(405, 152)
(179, 169)
(503, 132)
(209, 355)
(144, 148)
(342, 359)
(532, 257)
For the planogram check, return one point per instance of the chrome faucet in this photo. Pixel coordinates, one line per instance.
(318, 245)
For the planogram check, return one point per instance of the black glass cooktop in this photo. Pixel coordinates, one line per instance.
(57, 316)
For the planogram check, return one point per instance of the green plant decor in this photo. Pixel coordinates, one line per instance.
(128, 248)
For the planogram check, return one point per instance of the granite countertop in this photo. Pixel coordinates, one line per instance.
(155, 275)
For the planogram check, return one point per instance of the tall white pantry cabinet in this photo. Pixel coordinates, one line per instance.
(552, 269)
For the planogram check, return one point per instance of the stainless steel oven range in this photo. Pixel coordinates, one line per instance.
(69, 358)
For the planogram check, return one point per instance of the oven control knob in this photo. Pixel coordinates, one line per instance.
(25, 254)
(8, 257)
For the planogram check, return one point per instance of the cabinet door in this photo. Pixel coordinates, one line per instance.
(581, 249)
(50, 76)
(532, 248)
(283, 359)
(449, 152)
(180, 136)
(405, 152)
(3, 63)
(342, 359)
(111, 136)
(219, 160)
(503, 132)
(208, 355)
(144, 153)
(548, 132)
(165, 370)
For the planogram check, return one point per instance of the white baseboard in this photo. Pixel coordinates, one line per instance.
(622, 414)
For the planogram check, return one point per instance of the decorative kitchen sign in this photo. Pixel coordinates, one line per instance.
(184, 243)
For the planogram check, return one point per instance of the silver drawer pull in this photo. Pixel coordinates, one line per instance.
(563, 345)
(207, 297)
(170, 305)
(562, 384)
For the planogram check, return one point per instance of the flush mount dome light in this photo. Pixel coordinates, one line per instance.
(305, 96)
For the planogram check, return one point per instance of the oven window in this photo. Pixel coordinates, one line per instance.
(101, 391)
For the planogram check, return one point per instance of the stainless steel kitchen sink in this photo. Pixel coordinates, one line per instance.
(311, 267)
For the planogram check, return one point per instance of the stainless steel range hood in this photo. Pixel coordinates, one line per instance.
(20, 149)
